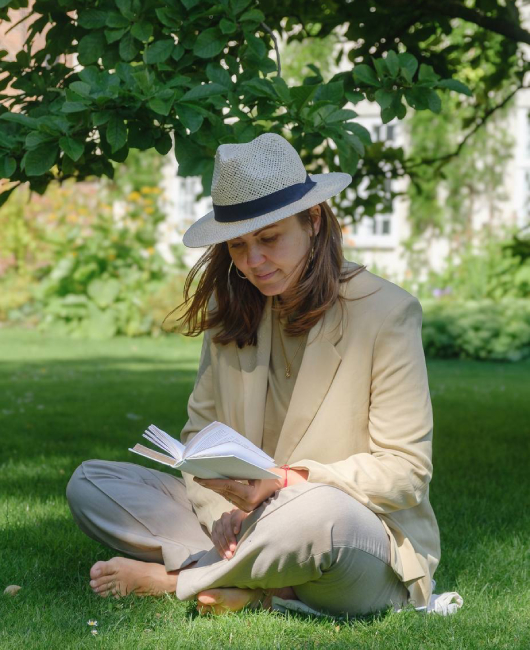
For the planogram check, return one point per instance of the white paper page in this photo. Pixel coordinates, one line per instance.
(233, 449)
(224, 467)
(164, 441)
(216, 434)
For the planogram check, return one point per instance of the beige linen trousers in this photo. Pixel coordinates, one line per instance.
(361, 534)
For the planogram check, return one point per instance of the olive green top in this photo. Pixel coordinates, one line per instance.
(280, 388)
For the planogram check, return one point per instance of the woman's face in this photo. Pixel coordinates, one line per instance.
(273, 258)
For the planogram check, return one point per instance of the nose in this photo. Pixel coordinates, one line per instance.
(254, 257)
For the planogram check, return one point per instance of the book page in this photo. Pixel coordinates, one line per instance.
(224, 467)
(216, 434)
(164, 441)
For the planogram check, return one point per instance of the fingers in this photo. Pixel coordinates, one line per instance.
(223, 536)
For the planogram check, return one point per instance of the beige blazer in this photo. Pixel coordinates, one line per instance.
(360, 416)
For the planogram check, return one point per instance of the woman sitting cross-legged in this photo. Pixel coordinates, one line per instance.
(320, 363)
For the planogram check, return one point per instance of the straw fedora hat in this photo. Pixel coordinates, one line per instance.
(256, 184)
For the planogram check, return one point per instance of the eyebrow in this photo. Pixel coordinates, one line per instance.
(259, 231)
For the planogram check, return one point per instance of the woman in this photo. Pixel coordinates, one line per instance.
(321, 364)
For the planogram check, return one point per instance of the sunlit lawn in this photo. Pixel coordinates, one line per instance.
(64, 401)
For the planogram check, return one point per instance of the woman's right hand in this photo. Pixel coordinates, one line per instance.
(224, 532)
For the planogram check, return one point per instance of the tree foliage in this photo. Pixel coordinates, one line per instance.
(115, 75)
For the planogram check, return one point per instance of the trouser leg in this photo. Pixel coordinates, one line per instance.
(315, 538)
(137, 511)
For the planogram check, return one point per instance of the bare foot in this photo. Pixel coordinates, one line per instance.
(228, 599)
(221, 601)
(121, 576)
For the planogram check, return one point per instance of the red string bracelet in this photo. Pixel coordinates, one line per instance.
(286, 468)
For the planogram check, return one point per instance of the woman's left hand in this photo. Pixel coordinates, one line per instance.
(249, 497)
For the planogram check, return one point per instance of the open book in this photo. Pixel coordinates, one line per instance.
(217, 451)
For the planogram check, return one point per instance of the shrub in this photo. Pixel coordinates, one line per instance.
(481, 329)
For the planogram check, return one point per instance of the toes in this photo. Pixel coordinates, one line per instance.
(211, 597)
(98, 569)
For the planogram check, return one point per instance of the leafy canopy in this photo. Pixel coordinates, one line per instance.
(115, 75)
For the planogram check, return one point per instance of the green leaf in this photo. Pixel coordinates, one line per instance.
(72, 148)
(383, 98)
(354, 97)
(178, 52)
(457, 86)
(340, 115)
(159, 51)
(116, 20)
(332, 92)
(209, 43)
(125, 6)
(128, 47)
(189, 117)
(205, 90)
(216, 73)
(380, 67)
(116, 132)
(168, 17)
(98, 119)
(190, 157)
(73, 107)
(252, 15)
(8, 166)
(256, 45)
(434, 102)
(92, 18)
(227, 26)
(260, 87)
(189, 4)
(142, 30)
(113, 35)
(302, 94)
(36, 138)
(388, 114)
(239, 5)
(80, 87)
(20, 118)
(392, 63)
(40, 160)
(163, 144)
(427, 73)
(91, 48)
(408, 62)
(364, 74)
(162, 102)
(282, 89)
(360, 131)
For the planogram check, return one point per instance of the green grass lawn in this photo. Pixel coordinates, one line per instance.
(65, 401)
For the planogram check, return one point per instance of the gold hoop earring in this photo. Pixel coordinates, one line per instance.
(243, 277)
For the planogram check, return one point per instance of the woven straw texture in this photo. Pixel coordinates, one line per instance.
(244, 172)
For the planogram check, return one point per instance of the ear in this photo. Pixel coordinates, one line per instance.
(315, 213)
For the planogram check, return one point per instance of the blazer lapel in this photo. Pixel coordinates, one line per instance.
(319, 365)
(254, 362)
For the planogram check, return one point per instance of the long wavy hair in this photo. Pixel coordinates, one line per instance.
(239, 304)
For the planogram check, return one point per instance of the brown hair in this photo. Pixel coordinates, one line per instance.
(239, 304)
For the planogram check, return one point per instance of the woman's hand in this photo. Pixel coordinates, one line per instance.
(224, 532)
(248, 497)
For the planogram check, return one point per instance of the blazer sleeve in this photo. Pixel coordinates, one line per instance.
(396, 472)
(208, 505)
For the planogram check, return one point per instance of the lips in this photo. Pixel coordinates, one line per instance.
(266, 276)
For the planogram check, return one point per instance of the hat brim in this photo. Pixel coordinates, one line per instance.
(206, 231)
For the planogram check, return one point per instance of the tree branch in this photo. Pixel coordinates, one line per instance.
(269, 31)
(501, 26)
(441, 160)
